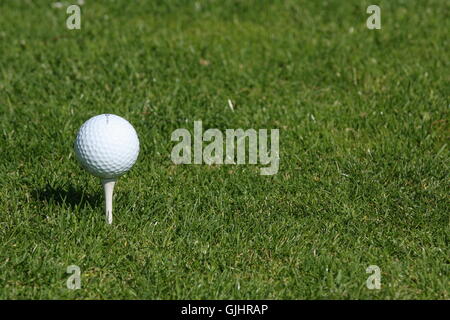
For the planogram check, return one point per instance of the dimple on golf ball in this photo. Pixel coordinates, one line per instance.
(107, 146)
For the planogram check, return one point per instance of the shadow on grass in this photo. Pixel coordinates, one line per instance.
(66, 196)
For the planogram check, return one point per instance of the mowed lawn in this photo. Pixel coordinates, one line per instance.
(364, 132)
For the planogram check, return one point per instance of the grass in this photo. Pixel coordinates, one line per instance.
(363, 179)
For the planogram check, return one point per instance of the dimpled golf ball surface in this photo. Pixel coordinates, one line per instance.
(107, 146)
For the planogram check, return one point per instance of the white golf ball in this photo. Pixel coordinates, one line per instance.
(107, 146)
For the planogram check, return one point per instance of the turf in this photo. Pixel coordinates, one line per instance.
(364, 132)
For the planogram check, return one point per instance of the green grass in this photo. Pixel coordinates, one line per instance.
(364, 132)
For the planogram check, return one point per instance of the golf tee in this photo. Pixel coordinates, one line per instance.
(108, 187)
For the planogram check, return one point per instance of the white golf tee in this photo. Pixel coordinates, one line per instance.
(108, 187)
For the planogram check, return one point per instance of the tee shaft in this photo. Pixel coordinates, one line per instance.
(108, 187)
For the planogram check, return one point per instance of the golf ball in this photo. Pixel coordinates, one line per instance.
(107, 146)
